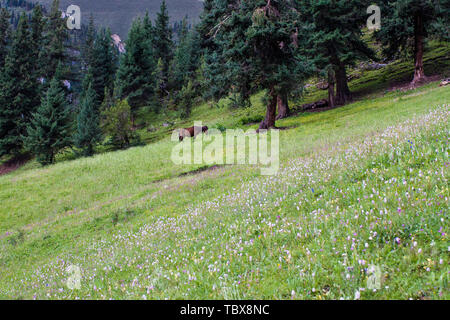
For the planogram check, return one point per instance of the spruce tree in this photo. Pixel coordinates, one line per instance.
(55, 36)
(186, 98)
(102, 65)
(334, 33)
(181, 58)
(19, 89)
(86, 83)
(187, 57)
(37, 24)
(88, 132)
(407, 23)
(163, 38)
(49, 129)
(256, 40)
(4, 35)
(37, 29)
(88, 46)
(135, 79)
(160, 88)
(148, 27)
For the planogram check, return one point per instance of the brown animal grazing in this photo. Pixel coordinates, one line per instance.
(192, 132)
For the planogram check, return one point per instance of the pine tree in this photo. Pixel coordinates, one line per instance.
(148, 27)
(215, 80)
(49, 130)
(55, 36)
(4, 35)
(37, 24)
(108, 101)
(335, 38)
(19, 89)
(256, 40)
(186, 98)
(37, 29)
(86, 83)
(88, 46)
(88, 131)
(102, 65)
(160, 89)
(187, 57)
(407, 22)
(136, 74)
(163, 38)
(61, 73)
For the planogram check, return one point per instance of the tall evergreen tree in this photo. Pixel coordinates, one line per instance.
(37, 23)
(102, 65)
(19, 89)
(163, 38)
(186, 98)
(148, 27)
(135, 79)
(4, 34)
(49, 130)
(187, 57)
(335, 37)
(37, 29)
(86, 83)
(160, 86)
(55, 36)
(256, 40)
(88, 46)
(407, 22)
(88, 131)
(215, 84)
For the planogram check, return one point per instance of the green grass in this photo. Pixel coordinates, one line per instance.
(367, 85)
(373, 172)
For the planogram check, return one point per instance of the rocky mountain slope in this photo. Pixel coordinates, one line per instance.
(118, 14)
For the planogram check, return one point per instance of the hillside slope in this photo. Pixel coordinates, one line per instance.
(362, 192)
(118, 14)
(356, 182)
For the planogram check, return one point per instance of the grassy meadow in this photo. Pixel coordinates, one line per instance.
(362, 194)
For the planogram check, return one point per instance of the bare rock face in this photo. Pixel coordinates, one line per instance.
(119, 14)
(444, 82)
(118, 43)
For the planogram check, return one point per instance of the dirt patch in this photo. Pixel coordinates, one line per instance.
(287, 128)
(14, 164)
(199, 170)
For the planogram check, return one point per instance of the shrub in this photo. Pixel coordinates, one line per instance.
(251, 119)
(117, 124)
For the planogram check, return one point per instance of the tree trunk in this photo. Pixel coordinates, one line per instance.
(419, 73)
(343, 94)
(331, 84)
(269, 120)
(283, 106)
